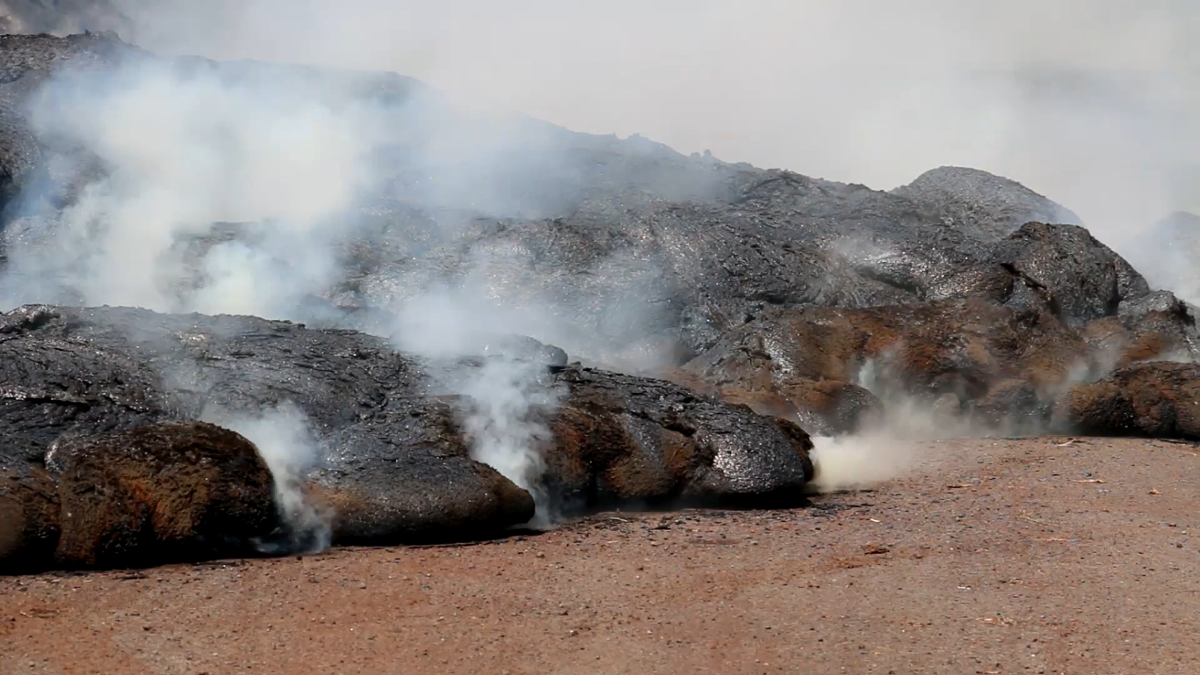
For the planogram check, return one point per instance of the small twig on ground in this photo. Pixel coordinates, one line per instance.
(1092, 480)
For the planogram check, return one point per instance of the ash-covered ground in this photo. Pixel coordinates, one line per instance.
(1054, 555)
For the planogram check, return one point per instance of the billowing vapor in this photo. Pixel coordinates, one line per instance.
(184, 151)
(1092, 102)
(236, 191)
(286, 444)
(505, 423)
(508, 395)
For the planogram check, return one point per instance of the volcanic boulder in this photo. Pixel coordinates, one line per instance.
(630, 441)
(162, 492)
(1013, 406)
(1157, 399)
(1080, 278)
(404, 475)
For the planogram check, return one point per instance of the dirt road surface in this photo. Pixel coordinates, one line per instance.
(1033, 556)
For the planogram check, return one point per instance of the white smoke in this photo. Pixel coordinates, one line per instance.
(1091, 102)
(509, 401)
(287, 445)
(509, 394)
(185, 151)
(282, 163)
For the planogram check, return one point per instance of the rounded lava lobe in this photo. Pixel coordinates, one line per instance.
(404, 475)
(623, 440)
(470, 501)
(169, 491)
(1156, 399)
(760, 462)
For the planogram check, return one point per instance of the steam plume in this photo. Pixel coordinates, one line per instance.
(1091, 102)
(279, 158)
(290, 451)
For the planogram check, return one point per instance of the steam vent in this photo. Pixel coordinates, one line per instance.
(254, 309)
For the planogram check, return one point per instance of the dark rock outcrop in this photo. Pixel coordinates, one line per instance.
(922, 351)
(986, 205)
(622, 251)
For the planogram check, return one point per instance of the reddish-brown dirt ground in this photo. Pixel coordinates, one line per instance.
(999, 557)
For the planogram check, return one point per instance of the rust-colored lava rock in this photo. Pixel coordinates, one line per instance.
(163, 492)
(1158, 399)
(960, 347)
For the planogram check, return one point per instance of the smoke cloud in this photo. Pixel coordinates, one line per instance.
(183, 151)
(286, 444)
(1093, 103)
(236, 190)
(472, 343)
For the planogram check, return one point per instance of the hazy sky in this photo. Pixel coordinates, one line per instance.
(1093, 102)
